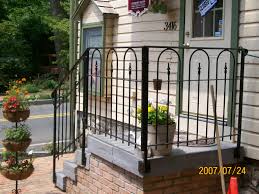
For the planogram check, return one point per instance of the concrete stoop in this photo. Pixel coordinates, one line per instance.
(70, 170)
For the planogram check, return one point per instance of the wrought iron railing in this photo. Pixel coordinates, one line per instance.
(107, 87)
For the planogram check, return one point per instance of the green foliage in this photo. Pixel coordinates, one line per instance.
(31, 88)
(48, 84)
(161, 115)
(21, 133)
(27, 31)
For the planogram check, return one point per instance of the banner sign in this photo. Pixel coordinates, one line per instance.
(138, 7)
(206, 5)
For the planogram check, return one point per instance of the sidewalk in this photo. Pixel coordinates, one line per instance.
(41, 180)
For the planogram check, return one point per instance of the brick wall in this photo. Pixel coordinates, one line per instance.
(104, 177)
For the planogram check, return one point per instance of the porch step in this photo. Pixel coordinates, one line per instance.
(61, 180)
(70, 169)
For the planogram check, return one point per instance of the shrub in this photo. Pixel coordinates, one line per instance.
(48, 84)
(31, 88)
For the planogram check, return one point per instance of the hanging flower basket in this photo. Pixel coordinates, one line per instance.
(16, 116)
(18, 175)
(14, 146)
(157, 84)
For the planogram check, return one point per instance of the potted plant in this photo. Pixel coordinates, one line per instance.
(17, 138)
(163, 121)
(16, 102)
(15, 171)
(158, 6)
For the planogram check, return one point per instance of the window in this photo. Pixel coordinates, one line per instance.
(92, 37)
(210, 25)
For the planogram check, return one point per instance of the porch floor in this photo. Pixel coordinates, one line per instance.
(41, 180)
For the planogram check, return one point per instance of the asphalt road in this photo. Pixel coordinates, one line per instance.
(40, 122)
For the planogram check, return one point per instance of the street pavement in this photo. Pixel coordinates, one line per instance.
(40, 122)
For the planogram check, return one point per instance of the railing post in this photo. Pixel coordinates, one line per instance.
(85, 101)
(240, 108)
(144, 105)
(54, 95)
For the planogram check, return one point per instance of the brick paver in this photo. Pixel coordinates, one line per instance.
(41, 180)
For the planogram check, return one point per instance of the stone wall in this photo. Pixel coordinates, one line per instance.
(104, 177)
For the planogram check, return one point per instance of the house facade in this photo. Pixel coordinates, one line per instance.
(122, 49)
(236, 25)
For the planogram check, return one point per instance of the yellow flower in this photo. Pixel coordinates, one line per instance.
(17, 91)
(26, 92)
(151, 109)
(163, 108)
(19, 82)
(24, 79)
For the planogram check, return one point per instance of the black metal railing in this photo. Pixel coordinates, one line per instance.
(107, 88)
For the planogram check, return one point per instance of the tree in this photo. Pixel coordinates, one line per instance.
(59, 23)
(28, 29)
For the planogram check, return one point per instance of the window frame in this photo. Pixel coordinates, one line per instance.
(82, 42)
(208, 37)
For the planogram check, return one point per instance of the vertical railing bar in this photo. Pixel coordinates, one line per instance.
(85, 102)
(111, 80)
(157, 76)
(129, 104)
(144, 105)
(224, 100)
(62, 123)
(198, 103)
(117, 76)
(123, 100)
(100, 97)
(70, 111)
(95, 97)
(188, 105)
(58, 120)
(167, 103)
(66, 121)
(79, 97)
(54, 136)
(91, 93)
(106, 100)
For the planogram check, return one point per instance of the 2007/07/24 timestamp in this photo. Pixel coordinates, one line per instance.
(211, 170)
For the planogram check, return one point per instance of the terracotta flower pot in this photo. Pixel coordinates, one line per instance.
(17, 116)
(157, 83)
(14, 146)
(161, 150)
(19, 175)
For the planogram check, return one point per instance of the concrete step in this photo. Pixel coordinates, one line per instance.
(61, 180)
(70, 169)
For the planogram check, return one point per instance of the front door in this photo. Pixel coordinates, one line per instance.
(211, 30)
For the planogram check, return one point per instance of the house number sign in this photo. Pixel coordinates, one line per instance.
(170, 26)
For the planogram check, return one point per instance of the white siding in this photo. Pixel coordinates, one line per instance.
(92, 14)
(249, 38)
